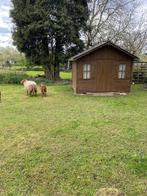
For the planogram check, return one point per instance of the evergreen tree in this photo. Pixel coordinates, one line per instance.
(46, 30)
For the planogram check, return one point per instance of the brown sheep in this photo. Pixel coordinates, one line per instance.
(43, 89)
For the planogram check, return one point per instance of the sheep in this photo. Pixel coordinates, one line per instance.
(43, 89)
(30, 86)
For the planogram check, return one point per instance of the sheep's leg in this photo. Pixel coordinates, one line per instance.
(45, 92)
(41, 92)
(32, 93)
(35, 91)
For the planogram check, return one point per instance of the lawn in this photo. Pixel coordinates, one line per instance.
(67, 75)
(72, 144)
(63, 74)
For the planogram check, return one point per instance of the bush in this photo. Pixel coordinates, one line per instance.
(12, 77)
(15, 77)
(145, 80)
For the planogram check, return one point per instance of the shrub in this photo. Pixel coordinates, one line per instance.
(12, 77)
(145, 80)
(34, 68)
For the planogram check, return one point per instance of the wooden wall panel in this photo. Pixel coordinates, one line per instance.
(104, 72)
(74, 76)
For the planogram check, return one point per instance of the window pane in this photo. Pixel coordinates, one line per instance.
(86, 71)
(85, 67)
(88, 67)
(88, 75)
(123, 75)
(122, 67)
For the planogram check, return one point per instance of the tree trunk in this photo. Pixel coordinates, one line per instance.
(49, 72)
(52, 72)
(57, 60)
(56, 72)
(52, 61)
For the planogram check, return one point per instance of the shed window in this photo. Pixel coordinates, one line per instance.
(122, 71)
(86, 71)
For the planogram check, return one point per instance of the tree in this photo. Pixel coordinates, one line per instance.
(46, 30)
(103, 15)
(134, 39)
(10, 54)
(118, 21)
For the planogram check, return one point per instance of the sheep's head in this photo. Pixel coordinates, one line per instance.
(42, 85)
(23, 81)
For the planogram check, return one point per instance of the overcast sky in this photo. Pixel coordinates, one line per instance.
(6, 24)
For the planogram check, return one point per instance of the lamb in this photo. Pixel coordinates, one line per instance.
(43, 89)
(30, 86)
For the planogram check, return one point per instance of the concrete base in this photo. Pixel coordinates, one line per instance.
(105, 94)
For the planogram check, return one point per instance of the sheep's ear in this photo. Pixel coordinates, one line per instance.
(22, 81)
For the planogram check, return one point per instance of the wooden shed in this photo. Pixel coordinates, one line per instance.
(102, 68)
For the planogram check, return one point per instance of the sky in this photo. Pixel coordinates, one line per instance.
(6, 23)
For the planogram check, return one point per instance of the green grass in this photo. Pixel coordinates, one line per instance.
(11, 76)
(34, 73)
(66, 75)
(14, 76)
(73, 144)
(63, 74)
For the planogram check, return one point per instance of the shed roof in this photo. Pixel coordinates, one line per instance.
(96, 47)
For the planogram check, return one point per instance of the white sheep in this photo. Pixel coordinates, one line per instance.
(30, 86)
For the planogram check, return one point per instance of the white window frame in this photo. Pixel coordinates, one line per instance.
(86, 71)
(122, 71)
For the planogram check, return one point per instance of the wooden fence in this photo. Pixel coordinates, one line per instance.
(139, 72)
